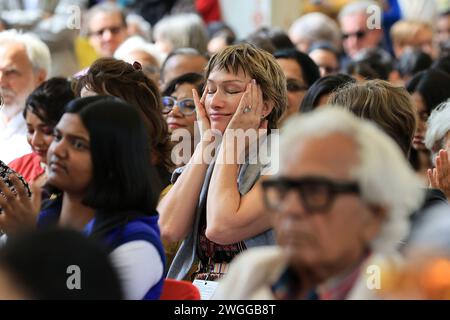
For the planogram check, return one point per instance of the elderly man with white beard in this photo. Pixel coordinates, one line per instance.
(24, 64)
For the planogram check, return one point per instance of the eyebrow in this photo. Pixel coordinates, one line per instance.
(227, 81)
(73, 136)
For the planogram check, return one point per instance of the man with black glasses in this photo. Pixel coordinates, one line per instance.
(358, 26)
(340, 207)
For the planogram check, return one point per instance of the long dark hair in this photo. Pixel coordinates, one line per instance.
(123, 179)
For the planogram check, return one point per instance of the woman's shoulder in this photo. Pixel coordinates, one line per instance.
(29, 166)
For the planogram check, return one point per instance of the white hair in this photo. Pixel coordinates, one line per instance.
(383, 174)
(136, 43)
(143, 25)
(37, 51)
(357, 7)
(438, 126)
(185, 30)
(315, 27)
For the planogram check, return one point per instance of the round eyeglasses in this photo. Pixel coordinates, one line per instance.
(186, 106)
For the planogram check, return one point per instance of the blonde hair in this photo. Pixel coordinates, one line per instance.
(390, 107)
(260, 65)
(404, 32)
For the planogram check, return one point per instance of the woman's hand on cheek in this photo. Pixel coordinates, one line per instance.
(249, 112)
(203, 122)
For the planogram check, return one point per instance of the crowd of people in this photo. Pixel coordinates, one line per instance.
(152, 144)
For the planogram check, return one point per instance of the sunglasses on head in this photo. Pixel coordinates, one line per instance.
(316, 194)
(358, 34)
(186, 106)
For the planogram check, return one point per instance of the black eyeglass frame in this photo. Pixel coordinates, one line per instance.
(333, 188)
(358, 34)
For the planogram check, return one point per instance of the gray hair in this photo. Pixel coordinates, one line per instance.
(104, 7)
(37, 51)
(357, 7)
(383, 174)
(136, 43)
(315, 27)
(183, 31)
(438, 126)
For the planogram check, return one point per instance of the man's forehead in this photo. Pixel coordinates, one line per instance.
(13, 53)
(334, 154)
(103, 18)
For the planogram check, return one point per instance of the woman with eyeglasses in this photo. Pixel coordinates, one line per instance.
(301, 72)
(179, 109)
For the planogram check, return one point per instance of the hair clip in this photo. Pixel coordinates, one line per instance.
(137, 65)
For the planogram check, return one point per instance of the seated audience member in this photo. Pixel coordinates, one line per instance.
(314, 27)
(412, 33)
(182, 61)
(220, 214)
(42, 265)
(428, 88)
(25, 63)
(337, 209)
(108, 76)
(300, 72)
(99, 165)
(356, 35)
(318, 94)
(179, 111)
(106, 28)
(326, 57)
(438, 142)
(391, 109)
(43, 109)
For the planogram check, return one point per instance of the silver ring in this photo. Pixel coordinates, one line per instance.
(247, 109)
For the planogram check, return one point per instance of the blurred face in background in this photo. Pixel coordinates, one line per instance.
(17, 77)
(296, 85)
(107, 31)
(422, 117)
(327, 61)
(356, 35)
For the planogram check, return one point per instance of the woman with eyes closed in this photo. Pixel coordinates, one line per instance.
(99, 161)
(221, 213)
(179, 111)
(43, 109)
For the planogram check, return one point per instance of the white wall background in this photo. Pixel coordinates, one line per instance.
(245, 16)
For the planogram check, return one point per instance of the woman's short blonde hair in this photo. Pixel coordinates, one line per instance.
(260, 65)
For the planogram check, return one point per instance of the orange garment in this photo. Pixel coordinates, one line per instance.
(29, 166)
